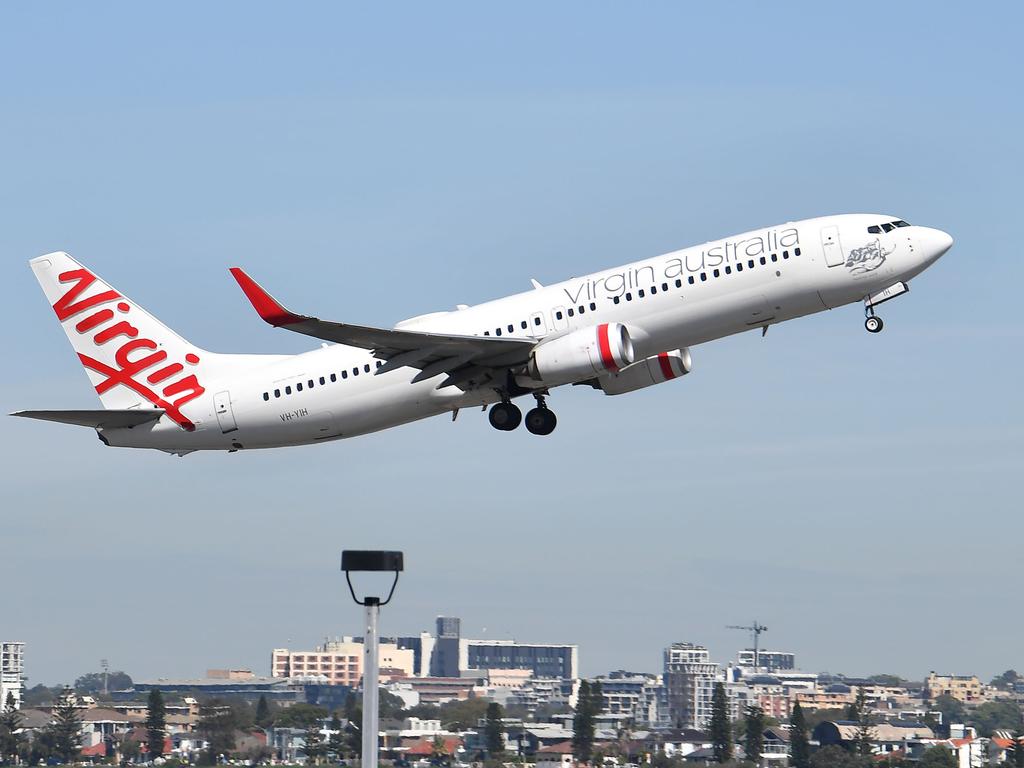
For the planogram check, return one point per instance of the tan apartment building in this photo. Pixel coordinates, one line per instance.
(965, 688)
(341, 662)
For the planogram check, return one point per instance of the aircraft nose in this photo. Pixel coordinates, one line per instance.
(936, 242)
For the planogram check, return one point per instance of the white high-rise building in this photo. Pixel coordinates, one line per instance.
(690, 678)
(12, 672)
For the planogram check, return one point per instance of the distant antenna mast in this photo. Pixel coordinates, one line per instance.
(105, 666)
(755, 629)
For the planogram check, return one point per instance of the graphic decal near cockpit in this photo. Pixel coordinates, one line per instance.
(867, 258)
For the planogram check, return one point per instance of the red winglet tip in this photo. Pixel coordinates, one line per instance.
(265, 305)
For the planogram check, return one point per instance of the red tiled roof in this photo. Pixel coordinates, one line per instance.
(425, 746)
(558, 748)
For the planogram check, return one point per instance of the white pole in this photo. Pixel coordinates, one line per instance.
(371, 676)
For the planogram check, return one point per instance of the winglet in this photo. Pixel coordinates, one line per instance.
(266, 305)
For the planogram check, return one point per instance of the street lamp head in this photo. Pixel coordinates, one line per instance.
(371, 560)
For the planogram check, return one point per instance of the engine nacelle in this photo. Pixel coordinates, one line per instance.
(654, 370)
(600, 349)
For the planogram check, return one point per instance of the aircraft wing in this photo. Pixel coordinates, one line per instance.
(465, 359)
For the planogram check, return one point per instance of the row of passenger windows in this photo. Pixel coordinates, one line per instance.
(628, 296)
(323, 381)
(889, 226)
(703, 276)
(582, 309)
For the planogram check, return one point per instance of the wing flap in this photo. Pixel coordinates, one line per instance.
(99, 419)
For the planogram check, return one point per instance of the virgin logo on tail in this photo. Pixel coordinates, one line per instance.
(104, 326)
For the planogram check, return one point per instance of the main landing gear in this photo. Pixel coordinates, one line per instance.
(506, 416)
(872, 322)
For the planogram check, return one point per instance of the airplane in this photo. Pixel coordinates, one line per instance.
(618, 330)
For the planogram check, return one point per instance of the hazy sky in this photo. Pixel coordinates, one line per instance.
(858, 494)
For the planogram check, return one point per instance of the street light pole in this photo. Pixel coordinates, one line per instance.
(374, 561)
(371, 682)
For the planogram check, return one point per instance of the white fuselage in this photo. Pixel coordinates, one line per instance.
(672, 301)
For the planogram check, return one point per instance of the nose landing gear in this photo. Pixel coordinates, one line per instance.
(872, 322)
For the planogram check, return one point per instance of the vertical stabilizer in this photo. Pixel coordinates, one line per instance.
(132, 359)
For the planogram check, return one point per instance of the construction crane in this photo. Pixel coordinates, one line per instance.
(755, 629)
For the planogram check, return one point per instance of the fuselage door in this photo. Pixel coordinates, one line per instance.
(537, 326)
(225, 416)
(831, 247)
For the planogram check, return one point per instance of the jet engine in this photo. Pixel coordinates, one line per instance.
(599, 349)
(654, 370)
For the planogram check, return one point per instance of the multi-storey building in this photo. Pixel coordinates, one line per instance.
(542, 659)
(536, 693)
(769, 660)
(341, 662)
(965, 688)
(641, 697)
(12, 673)
(690, 677)
(444, 662)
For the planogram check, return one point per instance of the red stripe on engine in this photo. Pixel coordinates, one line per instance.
(666, 366)
(605, 346)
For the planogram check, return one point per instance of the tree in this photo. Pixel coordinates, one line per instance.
(859, 712)
(217, 725)
(10, 724)
(66, 728)
(721, 732)
(462, 715)
(753, 735)
(799, 750)
(264, 719)
(130, 749)
(314, 747)
(93, 682)
(952, 710)
(494, 731)
(589, 702)
(1006, 680)
(353, 726)
(890, 680)
(937, 757)
(995, 716)
(439, 754)
(300, 716)
(389, 705)
(336, 739)
(837, 757)
(156, 724)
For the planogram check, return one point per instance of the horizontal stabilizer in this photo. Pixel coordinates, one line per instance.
(103, 419)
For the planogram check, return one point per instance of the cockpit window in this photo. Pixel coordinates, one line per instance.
(889, 226)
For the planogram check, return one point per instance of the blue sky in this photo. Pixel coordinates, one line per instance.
(860, 495)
